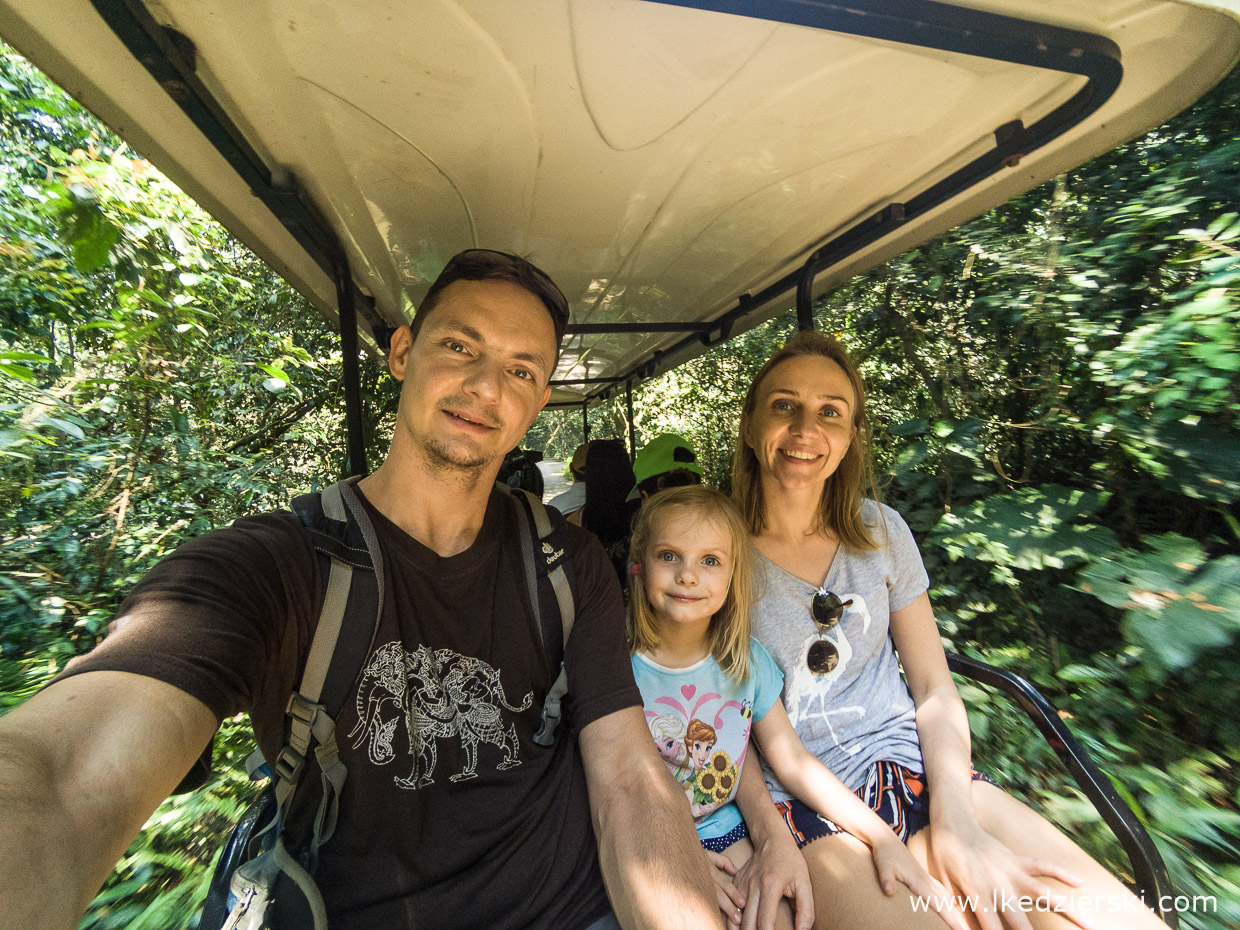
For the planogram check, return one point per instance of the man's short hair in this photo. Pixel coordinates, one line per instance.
(491, 265)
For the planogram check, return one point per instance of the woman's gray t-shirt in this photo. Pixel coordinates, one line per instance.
(861, 711)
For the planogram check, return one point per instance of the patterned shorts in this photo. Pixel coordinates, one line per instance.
(719, 843)
(897, 794)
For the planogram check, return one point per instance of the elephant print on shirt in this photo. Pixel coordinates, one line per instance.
(429, 695)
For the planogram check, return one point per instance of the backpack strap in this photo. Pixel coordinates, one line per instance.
(544, 550)
(345, 539)
(350, 560)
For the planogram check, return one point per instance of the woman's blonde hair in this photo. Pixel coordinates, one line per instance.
(730, 627)
(839, 508)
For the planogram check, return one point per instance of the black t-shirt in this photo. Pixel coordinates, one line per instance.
(450, 816)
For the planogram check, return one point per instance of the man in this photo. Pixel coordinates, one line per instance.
(494, 831)
(572, 500)
(667, 461)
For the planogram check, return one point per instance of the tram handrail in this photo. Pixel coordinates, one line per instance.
(1149, 872)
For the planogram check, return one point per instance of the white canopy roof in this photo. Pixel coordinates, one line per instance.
(661, 162)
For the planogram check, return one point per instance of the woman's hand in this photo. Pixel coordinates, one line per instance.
(731, 899)
(896, 866)
(979, 867)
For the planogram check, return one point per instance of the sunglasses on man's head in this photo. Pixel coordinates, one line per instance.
(827, 609)
(492, 257)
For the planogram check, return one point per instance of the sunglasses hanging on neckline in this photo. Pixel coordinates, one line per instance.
(826, 609)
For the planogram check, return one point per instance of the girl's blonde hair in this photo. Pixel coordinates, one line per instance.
(730, 627)
(839, 507)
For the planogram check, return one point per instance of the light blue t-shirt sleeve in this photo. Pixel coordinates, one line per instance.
(768, 680)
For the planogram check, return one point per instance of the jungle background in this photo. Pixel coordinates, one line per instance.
(1055, 388)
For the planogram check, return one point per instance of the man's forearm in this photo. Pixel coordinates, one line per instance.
(656, 873)
(44, 885)
(82, 765)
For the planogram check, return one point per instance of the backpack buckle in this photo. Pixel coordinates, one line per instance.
(289, 765)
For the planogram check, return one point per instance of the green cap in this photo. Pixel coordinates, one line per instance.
(666, 452)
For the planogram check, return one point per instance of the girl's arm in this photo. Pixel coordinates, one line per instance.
(814, 783)
(964, 854)
(806, 777)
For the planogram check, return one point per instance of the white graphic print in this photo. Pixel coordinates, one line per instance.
(804, 688)
(432, 695)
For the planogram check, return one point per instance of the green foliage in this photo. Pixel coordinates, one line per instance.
(1174, 609)
(156, 380)
(1030, 529)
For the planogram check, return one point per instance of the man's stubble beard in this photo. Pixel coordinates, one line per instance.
(443, 461)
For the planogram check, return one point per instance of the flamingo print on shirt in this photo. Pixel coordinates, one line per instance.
(805, 694)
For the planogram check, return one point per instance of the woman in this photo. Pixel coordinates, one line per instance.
(844, 592)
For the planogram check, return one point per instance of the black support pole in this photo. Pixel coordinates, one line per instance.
(352, 377)
(805, 298)
(628, 403)
(585, 421)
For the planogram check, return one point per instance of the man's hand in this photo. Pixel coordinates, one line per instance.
(731, 901)
(82, 766)
(777, 870)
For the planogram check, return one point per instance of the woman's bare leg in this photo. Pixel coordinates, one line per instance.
(846, 891)
(1102, 899)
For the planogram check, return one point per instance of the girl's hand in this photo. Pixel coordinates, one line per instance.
(731, 899)
(896, 866)
(980, 867)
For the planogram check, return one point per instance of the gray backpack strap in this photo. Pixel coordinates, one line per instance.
(345, 542)
(538, 544)
(311, 726)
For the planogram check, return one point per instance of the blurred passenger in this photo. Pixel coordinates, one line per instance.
(667, 461)
(572, 500)
(520, 470)
(608, 512)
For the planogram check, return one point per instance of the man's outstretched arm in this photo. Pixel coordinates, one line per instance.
(82, 766)
(656, 873)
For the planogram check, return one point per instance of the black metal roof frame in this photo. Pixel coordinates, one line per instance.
(170, 59)
(925, 24)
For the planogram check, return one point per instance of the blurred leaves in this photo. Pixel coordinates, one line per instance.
(1177, 604)
(1031, 529)
(156, 380)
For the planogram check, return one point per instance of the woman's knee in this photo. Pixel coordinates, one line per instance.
(847, 895)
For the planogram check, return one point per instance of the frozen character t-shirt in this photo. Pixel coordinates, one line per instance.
(700, 720)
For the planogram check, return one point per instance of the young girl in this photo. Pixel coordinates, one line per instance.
(705, 683)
